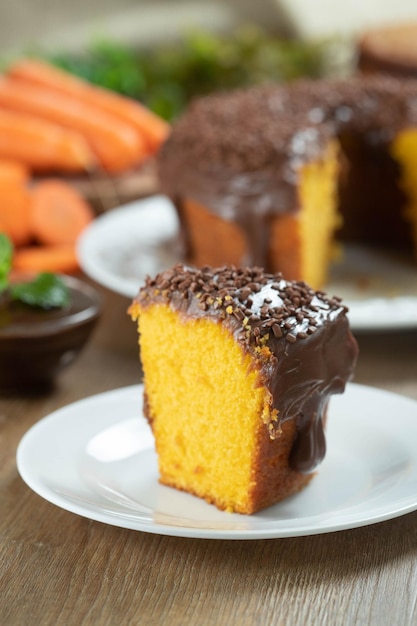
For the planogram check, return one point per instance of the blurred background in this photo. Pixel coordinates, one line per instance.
(71, 25)
(164, 52)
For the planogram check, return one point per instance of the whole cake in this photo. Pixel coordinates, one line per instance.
(238, 369)
(269, 175)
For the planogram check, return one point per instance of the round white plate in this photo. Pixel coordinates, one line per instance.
(121, 247)
(96, 458)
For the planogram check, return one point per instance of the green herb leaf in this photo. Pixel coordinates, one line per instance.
(6, 254)
(46, 291)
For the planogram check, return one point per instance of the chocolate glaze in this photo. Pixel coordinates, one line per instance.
(299, 340)
(239, 153)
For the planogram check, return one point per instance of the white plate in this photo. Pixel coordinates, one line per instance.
(121, 247)
(96, 458)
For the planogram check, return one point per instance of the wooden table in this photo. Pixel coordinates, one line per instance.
(57, 568)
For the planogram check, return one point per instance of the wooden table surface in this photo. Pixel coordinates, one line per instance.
(58, 568)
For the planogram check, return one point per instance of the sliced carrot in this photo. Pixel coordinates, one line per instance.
(14, 215)
(115, 143)
(58, 213)
(42, 145)
(13, 172)
(58, 258)
(14, 202)
(153, 128)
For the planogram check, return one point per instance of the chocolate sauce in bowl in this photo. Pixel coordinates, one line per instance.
(36, 344)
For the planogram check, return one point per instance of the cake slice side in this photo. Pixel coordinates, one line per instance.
(238, 368)
(206, 405)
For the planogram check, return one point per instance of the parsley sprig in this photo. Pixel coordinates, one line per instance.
(45, 291)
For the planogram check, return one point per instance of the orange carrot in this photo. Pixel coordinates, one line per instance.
(42, 145)
(116, 144)
(58, 213)
(14, 202)
(12, 171)
(58, 258)
(153, 128)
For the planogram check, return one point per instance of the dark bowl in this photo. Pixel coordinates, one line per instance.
(35, 345)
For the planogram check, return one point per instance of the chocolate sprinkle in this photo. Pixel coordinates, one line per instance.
(261, 302)
(277, 120)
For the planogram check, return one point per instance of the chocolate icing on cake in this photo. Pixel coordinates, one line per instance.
(298, 337)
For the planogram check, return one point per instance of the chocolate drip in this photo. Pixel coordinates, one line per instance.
(310, 446)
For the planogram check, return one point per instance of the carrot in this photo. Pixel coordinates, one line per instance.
(42, 145)
(58, 213)
(14, 202)
(14, 215)
(12, 171)
(57, 258)
(115, 143)
(153, 128)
